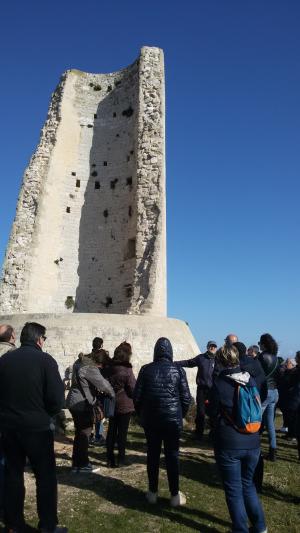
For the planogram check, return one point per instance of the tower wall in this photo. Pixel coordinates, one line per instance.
(89, 232)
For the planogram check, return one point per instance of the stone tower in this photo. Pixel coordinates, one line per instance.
(88, 245)
(89, 233)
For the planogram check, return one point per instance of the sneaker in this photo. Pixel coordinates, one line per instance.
(177, 500)
(283, 430)
(151, 497)
(88, 469)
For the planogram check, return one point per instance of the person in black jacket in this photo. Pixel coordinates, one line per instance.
(205, 363)
(236, 453)
(269, 361)
(31, 393)
(161, 399)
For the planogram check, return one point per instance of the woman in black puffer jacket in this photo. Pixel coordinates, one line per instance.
(162, 398)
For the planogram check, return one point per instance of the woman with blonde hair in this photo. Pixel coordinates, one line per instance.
(236, 451)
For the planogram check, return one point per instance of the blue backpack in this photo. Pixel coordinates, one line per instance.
(246, 414)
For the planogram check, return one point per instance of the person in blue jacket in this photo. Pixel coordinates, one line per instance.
(236, 453)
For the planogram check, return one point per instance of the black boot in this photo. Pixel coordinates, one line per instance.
(271, 455)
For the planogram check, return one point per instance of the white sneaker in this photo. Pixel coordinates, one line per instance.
(151, 497)
(88, 469)
(282, 430)
(179, 499)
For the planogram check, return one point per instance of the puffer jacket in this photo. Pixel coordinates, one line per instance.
(87, 383)
(270, 365)
(162, 396)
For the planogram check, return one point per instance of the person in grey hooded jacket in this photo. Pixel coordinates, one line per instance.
(87, 383)
(162, 398)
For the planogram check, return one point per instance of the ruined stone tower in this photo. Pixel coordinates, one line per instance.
(89, 236)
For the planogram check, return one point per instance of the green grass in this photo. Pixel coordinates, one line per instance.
(114, 499)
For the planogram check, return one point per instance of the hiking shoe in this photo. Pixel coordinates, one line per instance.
(88, 469)
(177, 500)
(151, 497)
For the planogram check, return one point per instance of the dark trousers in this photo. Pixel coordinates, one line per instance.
(83, 423)
(201, 397)
(169, 436)
(237, 470)
(117, 433)
(39, 448)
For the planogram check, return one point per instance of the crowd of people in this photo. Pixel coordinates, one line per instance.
(238, 390)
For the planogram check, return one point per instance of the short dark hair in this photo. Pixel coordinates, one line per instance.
(97, 343)
(101, 357)
(123, 352)
(6, 335)
(254, 348)
(32, 331)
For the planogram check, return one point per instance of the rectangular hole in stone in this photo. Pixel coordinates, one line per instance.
(68, 210)
(130, 250)
(129, 181)
(73, 173)
(97, 184)
(105, 163)
(95, 115)
(77, 183)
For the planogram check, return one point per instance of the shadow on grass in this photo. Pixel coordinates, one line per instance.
(120, 493)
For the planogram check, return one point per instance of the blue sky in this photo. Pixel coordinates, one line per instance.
(233, 132)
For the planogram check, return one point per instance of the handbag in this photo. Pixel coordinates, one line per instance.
(109, 405)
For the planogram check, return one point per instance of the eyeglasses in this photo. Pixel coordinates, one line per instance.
(44, 337)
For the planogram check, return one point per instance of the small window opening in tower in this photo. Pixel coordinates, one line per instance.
(94, 173)
(108, 301)
(94, 164)
(128, 158)
(97, 184)
(105, 163)
(117, 135)
(95, 115)
(73, 173)
(132, 152)
(77, 183)
(113, 183)
(109, 88)
(130, 211)
(130, 249)
(68, 209)
(127, 112)
(129, 181)
(114, 114)
(105, 213)
(128, 291)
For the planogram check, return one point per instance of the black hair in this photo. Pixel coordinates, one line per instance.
(241, 348)
(123, 353)
(269, 343)
(6, 335)
(32, 331)
(97, 343)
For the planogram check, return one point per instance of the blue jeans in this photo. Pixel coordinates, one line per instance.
(268, 409)
(237, 469)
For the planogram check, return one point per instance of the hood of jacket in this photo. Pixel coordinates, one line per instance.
(240, 377)
(163, 349)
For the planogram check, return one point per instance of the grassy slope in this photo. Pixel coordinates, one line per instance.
(114, 499)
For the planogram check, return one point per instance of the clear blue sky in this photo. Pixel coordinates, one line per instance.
(233, 132)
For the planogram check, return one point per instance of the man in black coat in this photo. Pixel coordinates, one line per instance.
(31, 392)
(205, 363)
(161, 398)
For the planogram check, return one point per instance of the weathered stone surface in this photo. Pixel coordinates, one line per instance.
(89, 232)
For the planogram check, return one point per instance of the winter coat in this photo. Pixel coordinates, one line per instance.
(253, 366)
(6, 347)
(205, 363)
(222, 399)
(270, 365)
(31, 389)
(161, 395)
(87, 383)
(122, 380)
(292, 391)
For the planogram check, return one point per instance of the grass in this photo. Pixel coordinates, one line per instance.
(113, 500)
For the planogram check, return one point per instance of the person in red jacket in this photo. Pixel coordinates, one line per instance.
(120, 375)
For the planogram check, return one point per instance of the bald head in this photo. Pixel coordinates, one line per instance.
(231, 339)
(7, 333)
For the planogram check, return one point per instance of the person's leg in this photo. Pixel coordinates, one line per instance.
(111, 440)
(83, 423)
(123, 425)
(229, 464)
(200, 413)
(14, 490)
(259, 474)
(252, 503)
(40, 451)
(171, 450)
(269, 419)
(154, 441)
